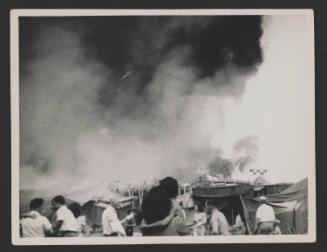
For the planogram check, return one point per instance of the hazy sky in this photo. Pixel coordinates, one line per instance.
(278, 104)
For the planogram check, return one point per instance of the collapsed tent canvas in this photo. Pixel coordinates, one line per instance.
(291, 208)
(298, 192)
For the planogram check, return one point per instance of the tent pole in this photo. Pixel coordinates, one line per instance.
(247, 218)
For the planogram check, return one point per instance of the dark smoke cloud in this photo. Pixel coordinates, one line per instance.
(221, 168)
(140, 44)
(244, 155)
(128, 94)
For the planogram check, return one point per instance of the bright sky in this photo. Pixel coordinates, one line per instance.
(278, 104)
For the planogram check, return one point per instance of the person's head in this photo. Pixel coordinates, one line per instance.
(200, 206)
(36, 204)
(170, 186)
(57, 202)
(263, 199)
(114, 203)
(76, 209)
(156, 206)
(209, 207)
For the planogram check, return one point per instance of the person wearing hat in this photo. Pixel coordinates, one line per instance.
(265, 217)
(34, 224)
(111, 225)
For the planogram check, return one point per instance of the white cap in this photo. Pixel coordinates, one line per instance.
(262, 198)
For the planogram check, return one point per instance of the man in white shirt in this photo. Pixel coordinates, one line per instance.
(38, 225)
(265, 217)
(111, 225)
(66, 223)
(217, 220)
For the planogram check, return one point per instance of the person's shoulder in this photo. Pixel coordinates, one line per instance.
(266, 206)
(215, 213)
(25, 220)
(262, 206)
(221, 215)
(61, 209)
(109, 210)
(43, 218)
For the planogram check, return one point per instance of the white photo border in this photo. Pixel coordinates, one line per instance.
(14, 85)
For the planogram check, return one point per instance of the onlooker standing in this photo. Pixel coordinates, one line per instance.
(170, 186)
(217, 220)
(66, 223)
(155, 207)
(265, 217)
(111, 225)
(38, 225)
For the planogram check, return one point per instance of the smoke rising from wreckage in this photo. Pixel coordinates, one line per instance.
(126, 97)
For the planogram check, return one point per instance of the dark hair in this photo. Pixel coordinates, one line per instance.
(156, 206)
(201, 206)
(75, 208)
(59, 199)
(36, 203)
(170, 186)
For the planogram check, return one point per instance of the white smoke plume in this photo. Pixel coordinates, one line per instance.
(70, 140)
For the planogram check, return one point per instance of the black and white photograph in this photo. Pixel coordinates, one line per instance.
(162, 126)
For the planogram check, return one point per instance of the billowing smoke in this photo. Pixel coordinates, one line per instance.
(130, 98)
(244, 154)
(221, 168)
(246, 150)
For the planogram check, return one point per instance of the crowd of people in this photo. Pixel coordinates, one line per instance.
(68, 221)
(161, 215)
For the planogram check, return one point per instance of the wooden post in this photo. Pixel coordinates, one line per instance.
(246, 216)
